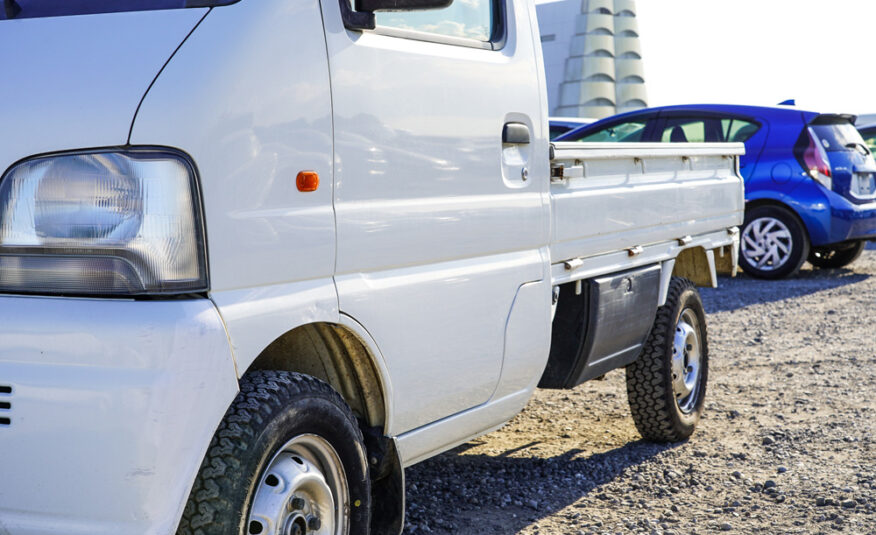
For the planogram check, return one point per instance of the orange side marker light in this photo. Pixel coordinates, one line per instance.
(307, 181)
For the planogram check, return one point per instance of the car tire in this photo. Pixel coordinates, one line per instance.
(773, 243)
(287, 458)
(666, 385)
(836, 256)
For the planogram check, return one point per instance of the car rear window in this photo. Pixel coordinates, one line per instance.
(837, 137)
(29, 9)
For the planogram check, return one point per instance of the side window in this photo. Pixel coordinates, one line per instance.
(622, 132)
(869, 138)
(684, 130)
(467, 19)
(738, 130)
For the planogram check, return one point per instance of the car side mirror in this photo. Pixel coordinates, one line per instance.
(363, 17)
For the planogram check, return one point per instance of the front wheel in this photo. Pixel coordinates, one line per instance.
(288, 459)
(836, 256)
(774, 243)
(666, 385)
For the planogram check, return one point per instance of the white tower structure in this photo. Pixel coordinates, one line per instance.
(592, 56)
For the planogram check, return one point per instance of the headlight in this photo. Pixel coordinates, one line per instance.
(104, 223)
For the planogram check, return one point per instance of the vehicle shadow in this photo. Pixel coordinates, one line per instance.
(742, 291)
(457, 492)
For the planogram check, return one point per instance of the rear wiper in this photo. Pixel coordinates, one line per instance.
(11, 8)
(855, 144)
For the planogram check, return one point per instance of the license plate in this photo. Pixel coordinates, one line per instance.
(866, 185)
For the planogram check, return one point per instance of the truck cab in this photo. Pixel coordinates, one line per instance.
(256, 257)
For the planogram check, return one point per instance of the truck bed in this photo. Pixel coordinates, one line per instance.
(613, 201)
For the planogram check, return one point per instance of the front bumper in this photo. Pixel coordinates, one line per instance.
(111, 407)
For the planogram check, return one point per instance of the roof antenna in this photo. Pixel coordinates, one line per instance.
(11, 8)
(789, 102)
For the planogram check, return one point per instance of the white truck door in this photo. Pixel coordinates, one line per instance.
(438, 221)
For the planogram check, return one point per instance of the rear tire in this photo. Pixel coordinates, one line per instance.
(287, 458)
(773, 244)
(836, 256)
(666, 385)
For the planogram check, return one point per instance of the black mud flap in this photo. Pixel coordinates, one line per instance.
(387, 483)
(601, 325)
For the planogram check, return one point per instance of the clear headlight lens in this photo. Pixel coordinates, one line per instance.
(106, 223)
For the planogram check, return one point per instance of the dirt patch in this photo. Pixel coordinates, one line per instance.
(786, 444)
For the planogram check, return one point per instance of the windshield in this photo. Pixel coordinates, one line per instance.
(836, 137)
(618, 132)
(27, 9)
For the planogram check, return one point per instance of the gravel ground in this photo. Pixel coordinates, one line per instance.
(785, 445)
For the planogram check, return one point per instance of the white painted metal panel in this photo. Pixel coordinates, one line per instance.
(437, 227)
(113, 406)
(75, 82)
(248, 98)
(619, 195)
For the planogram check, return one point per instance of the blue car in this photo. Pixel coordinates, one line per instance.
(561, 125)
(810, 192)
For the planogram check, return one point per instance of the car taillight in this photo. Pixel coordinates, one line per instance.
(814, 160)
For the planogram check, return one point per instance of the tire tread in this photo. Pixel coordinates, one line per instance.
(646, 386)
(263, 393)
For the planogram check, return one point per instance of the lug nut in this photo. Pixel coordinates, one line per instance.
(313, 523)
(296, 503)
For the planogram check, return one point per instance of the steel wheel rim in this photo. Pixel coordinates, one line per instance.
(303, 491)
(687, 355)
(767, 243)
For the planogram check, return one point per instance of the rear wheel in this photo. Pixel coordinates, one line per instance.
(836, 256)
(288, 459)
(666, 385)
(774, 244)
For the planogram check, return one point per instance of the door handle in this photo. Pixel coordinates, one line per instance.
(515, 133)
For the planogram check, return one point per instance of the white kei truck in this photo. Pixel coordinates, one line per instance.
(259, 256)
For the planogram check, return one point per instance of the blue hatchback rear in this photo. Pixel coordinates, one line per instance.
(809, 178)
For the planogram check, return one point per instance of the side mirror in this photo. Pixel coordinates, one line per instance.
(363, 17)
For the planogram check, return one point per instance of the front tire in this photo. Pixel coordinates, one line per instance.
(288, 458)
(666, 385)
(774, 243)
(836, 256)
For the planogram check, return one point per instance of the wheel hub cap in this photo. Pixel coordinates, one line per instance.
(302, 492)
(686, 359)
(766, 243)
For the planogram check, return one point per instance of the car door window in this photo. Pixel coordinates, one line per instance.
(737, 130)
(630, 131)
(684, 130)
(467, 19)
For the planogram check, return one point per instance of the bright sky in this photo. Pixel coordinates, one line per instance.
(818, 52)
